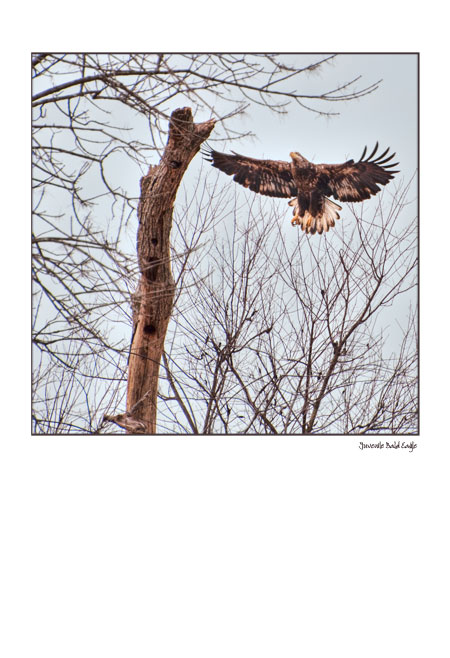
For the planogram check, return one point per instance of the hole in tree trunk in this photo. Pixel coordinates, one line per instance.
(152, 266)
(149, 329)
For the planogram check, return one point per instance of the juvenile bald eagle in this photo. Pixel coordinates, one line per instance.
(310, 183)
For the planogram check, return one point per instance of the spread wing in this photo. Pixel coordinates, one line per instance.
(356, 181)
(269, 177)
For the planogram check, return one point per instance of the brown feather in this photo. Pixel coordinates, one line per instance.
(269, 177)
(356, 181)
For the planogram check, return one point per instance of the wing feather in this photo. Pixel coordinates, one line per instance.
(269, 177)
(356, 181)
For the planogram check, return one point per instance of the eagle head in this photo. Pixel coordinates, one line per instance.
(297, 158)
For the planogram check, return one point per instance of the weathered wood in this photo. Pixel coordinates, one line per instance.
(152, 302)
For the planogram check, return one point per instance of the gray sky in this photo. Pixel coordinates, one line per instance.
(388, 115)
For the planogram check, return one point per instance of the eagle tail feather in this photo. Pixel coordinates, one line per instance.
(319, 222)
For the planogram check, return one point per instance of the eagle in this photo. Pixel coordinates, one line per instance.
(311, 184)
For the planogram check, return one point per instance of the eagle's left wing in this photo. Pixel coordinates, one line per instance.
(269, 177)
(356, 181)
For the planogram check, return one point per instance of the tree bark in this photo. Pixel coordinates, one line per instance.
(152, 302)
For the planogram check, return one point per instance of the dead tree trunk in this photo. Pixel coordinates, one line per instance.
(152, 303)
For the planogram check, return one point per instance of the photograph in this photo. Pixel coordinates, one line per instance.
(225, 244)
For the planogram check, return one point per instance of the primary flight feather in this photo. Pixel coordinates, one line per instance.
(309, 183)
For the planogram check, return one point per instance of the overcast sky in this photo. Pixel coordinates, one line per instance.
(388, 115)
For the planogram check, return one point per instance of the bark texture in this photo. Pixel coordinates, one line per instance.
(152, 302)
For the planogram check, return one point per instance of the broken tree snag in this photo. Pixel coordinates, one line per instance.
(152, 302)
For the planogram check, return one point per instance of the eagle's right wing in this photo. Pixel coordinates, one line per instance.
(269, 177)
